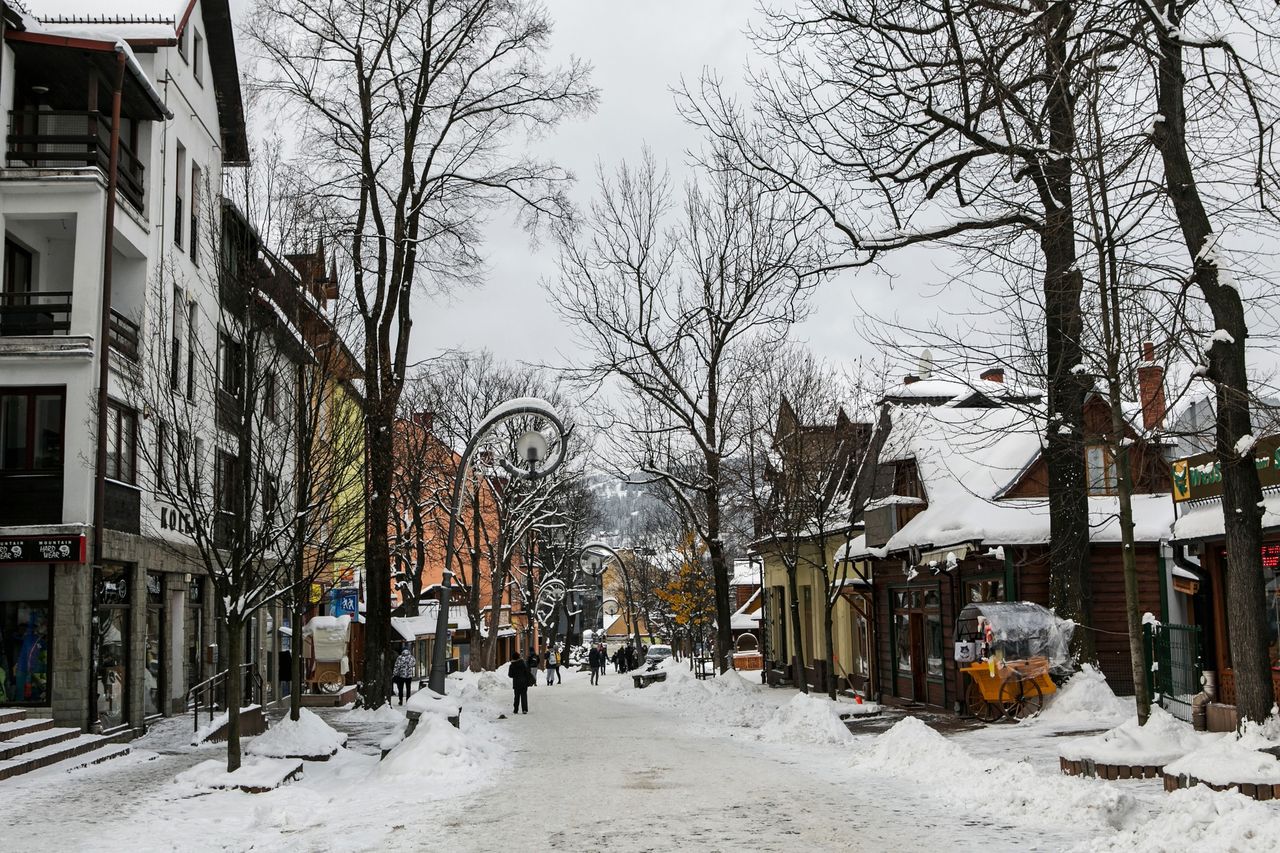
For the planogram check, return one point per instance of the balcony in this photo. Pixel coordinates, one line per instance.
(123, 335)
(30, 497)
(35, 313)
(55, 139)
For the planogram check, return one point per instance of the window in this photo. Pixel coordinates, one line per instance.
(1100, 466)
(269, 395)
(31, 430)
(195, 214)
(270, 496)
(175, 356)
(122, 443)
(862, 646)
(230, 365)
(17, 268)
(162, 454)
(226, 483)
(902, 643)
(197, 56)
(182, 44)
(191, 350)
(978, 591)
(180, 179)
(933, 645)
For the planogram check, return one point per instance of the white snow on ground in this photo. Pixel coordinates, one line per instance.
(1085, 699)
(1163, 739)
(1227, 759)
(254, 772)
(309, 736)
(685, 765)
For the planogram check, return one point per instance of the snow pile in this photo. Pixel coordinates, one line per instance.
(253, 773)
(1230, 759)
(307, 737)
(1085, 699)
(990, 787)
(860, 709)
(807, 719)
(1163, 739)
(1202, 820)
(436, 749)
(382, 714)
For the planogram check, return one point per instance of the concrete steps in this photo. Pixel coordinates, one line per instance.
(29, 745)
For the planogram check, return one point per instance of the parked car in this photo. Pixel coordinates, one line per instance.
(657, 654)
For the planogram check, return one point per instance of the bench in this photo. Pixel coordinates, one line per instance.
(644, 679)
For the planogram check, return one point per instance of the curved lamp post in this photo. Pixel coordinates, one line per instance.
(592, 560)
(533, 448)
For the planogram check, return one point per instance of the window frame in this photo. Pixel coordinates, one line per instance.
(180, 157)
(1110, 475)
(118, 414)
(197, 57)
(32, 393)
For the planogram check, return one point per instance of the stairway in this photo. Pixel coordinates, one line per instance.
(27, 745)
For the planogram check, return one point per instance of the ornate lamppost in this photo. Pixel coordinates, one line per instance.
(592, 558)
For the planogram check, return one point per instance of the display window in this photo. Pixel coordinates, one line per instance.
(25, 619)
(110, 646)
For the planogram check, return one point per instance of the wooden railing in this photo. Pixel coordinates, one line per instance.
(35, 313)
(49, 139)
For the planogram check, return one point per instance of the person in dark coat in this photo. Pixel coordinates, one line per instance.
(533, 668)
(595, 660)
(520, 677)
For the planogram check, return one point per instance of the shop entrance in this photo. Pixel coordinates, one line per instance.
(24, 634)
(110, 647)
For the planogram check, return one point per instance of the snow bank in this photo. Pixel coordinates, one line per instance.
(381, 714)
(1163, 739)
(436, 749)
(1085, 699)
(1202, 820)
(253, 773)
(308, 736)
(807, 719)
(1229, 759)
(990, 787)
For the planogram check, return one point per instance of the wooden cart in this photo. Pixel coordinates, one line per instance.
(1015, 688)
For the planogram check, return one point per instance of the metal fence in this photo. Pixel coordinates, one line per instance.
(1174, 665)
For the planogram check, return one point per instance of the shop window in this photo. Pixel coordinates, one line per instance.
(933, 645)
(153, 678)
(1100, 467)
(110, 646)
(195, 631)
(902, 643)
(25, 628)
(979, 591)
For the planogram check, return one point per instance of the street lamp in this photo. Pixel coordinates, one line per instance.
(592, 560)
(533, 448)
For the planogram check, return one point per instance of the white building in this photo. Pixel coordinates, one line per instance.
(105, 640)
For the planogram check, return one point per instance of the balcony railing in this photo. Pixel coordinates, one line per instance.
(35, 313)
(124, 335)
(51, 139)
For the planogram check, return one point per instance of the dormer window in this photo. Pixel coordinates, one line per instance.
(1100, 468)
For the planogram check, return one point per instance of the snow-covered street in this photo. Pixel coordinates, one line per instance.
(682, 765)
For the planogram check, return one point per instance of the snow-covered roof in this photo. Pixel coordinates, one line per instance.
(956, 390)
(967, 458)
(459, 619)
(747, 617)
(1203, 519)
(745, 573)
(412, 627)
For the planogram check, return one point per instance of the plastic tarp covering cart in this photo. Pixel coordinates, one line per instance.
(1019, 630)
(328, 635)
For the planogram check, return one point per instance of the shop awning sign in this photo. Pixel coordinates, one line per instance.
(1199, 477)
(42, 549)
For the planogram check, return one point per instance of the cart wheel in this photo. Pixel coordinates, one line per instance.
(978, 706)
(1021, 698)
(331, 686)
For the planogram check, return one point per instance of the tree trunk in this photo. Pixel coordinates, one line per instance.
(377, 559)
(495, 616)
(235, 688)
(295, 665)
(1064, 434)
(719, 569)
(1247, 634)
(797, 636)
(1124, 485)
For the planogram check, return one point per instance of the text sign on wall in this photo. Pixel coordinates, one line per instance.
(42, 549)
(1198, 477)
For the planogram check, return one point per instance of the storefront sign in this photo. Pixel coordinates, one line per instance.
(42, 549)
(1199, 477)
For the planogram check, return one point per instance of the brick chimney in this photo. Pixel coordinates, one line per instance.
(993, 374)
(1151, 388)
(908, 380)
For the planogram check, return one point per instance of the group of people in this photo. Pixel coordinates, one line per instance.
(627, 658)
(523, 673)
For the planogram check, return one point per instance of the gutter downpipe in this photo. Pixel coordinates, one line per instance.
(104, 330)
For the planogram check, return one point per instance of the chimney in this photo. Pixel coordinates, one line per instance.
(908, 380)
(1151, 388)
(993, 374)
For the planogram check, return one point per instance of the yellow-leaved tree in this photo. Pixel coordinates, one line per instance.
(690, 593)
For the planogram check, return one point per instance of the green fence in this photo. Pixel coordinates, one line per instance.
(1173, 666)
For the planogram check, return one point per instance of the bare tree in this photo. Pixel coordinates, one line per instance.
(942, 122)
(409, 113)
(667, 308)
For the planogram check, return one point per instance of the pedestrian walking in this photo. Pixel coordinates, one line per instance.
(520, 677)
(533, 668)
(553, 666)
(595, 660)
(402, 673)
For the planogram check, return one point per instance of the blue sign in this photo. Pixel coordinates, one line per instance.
(345, 602)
